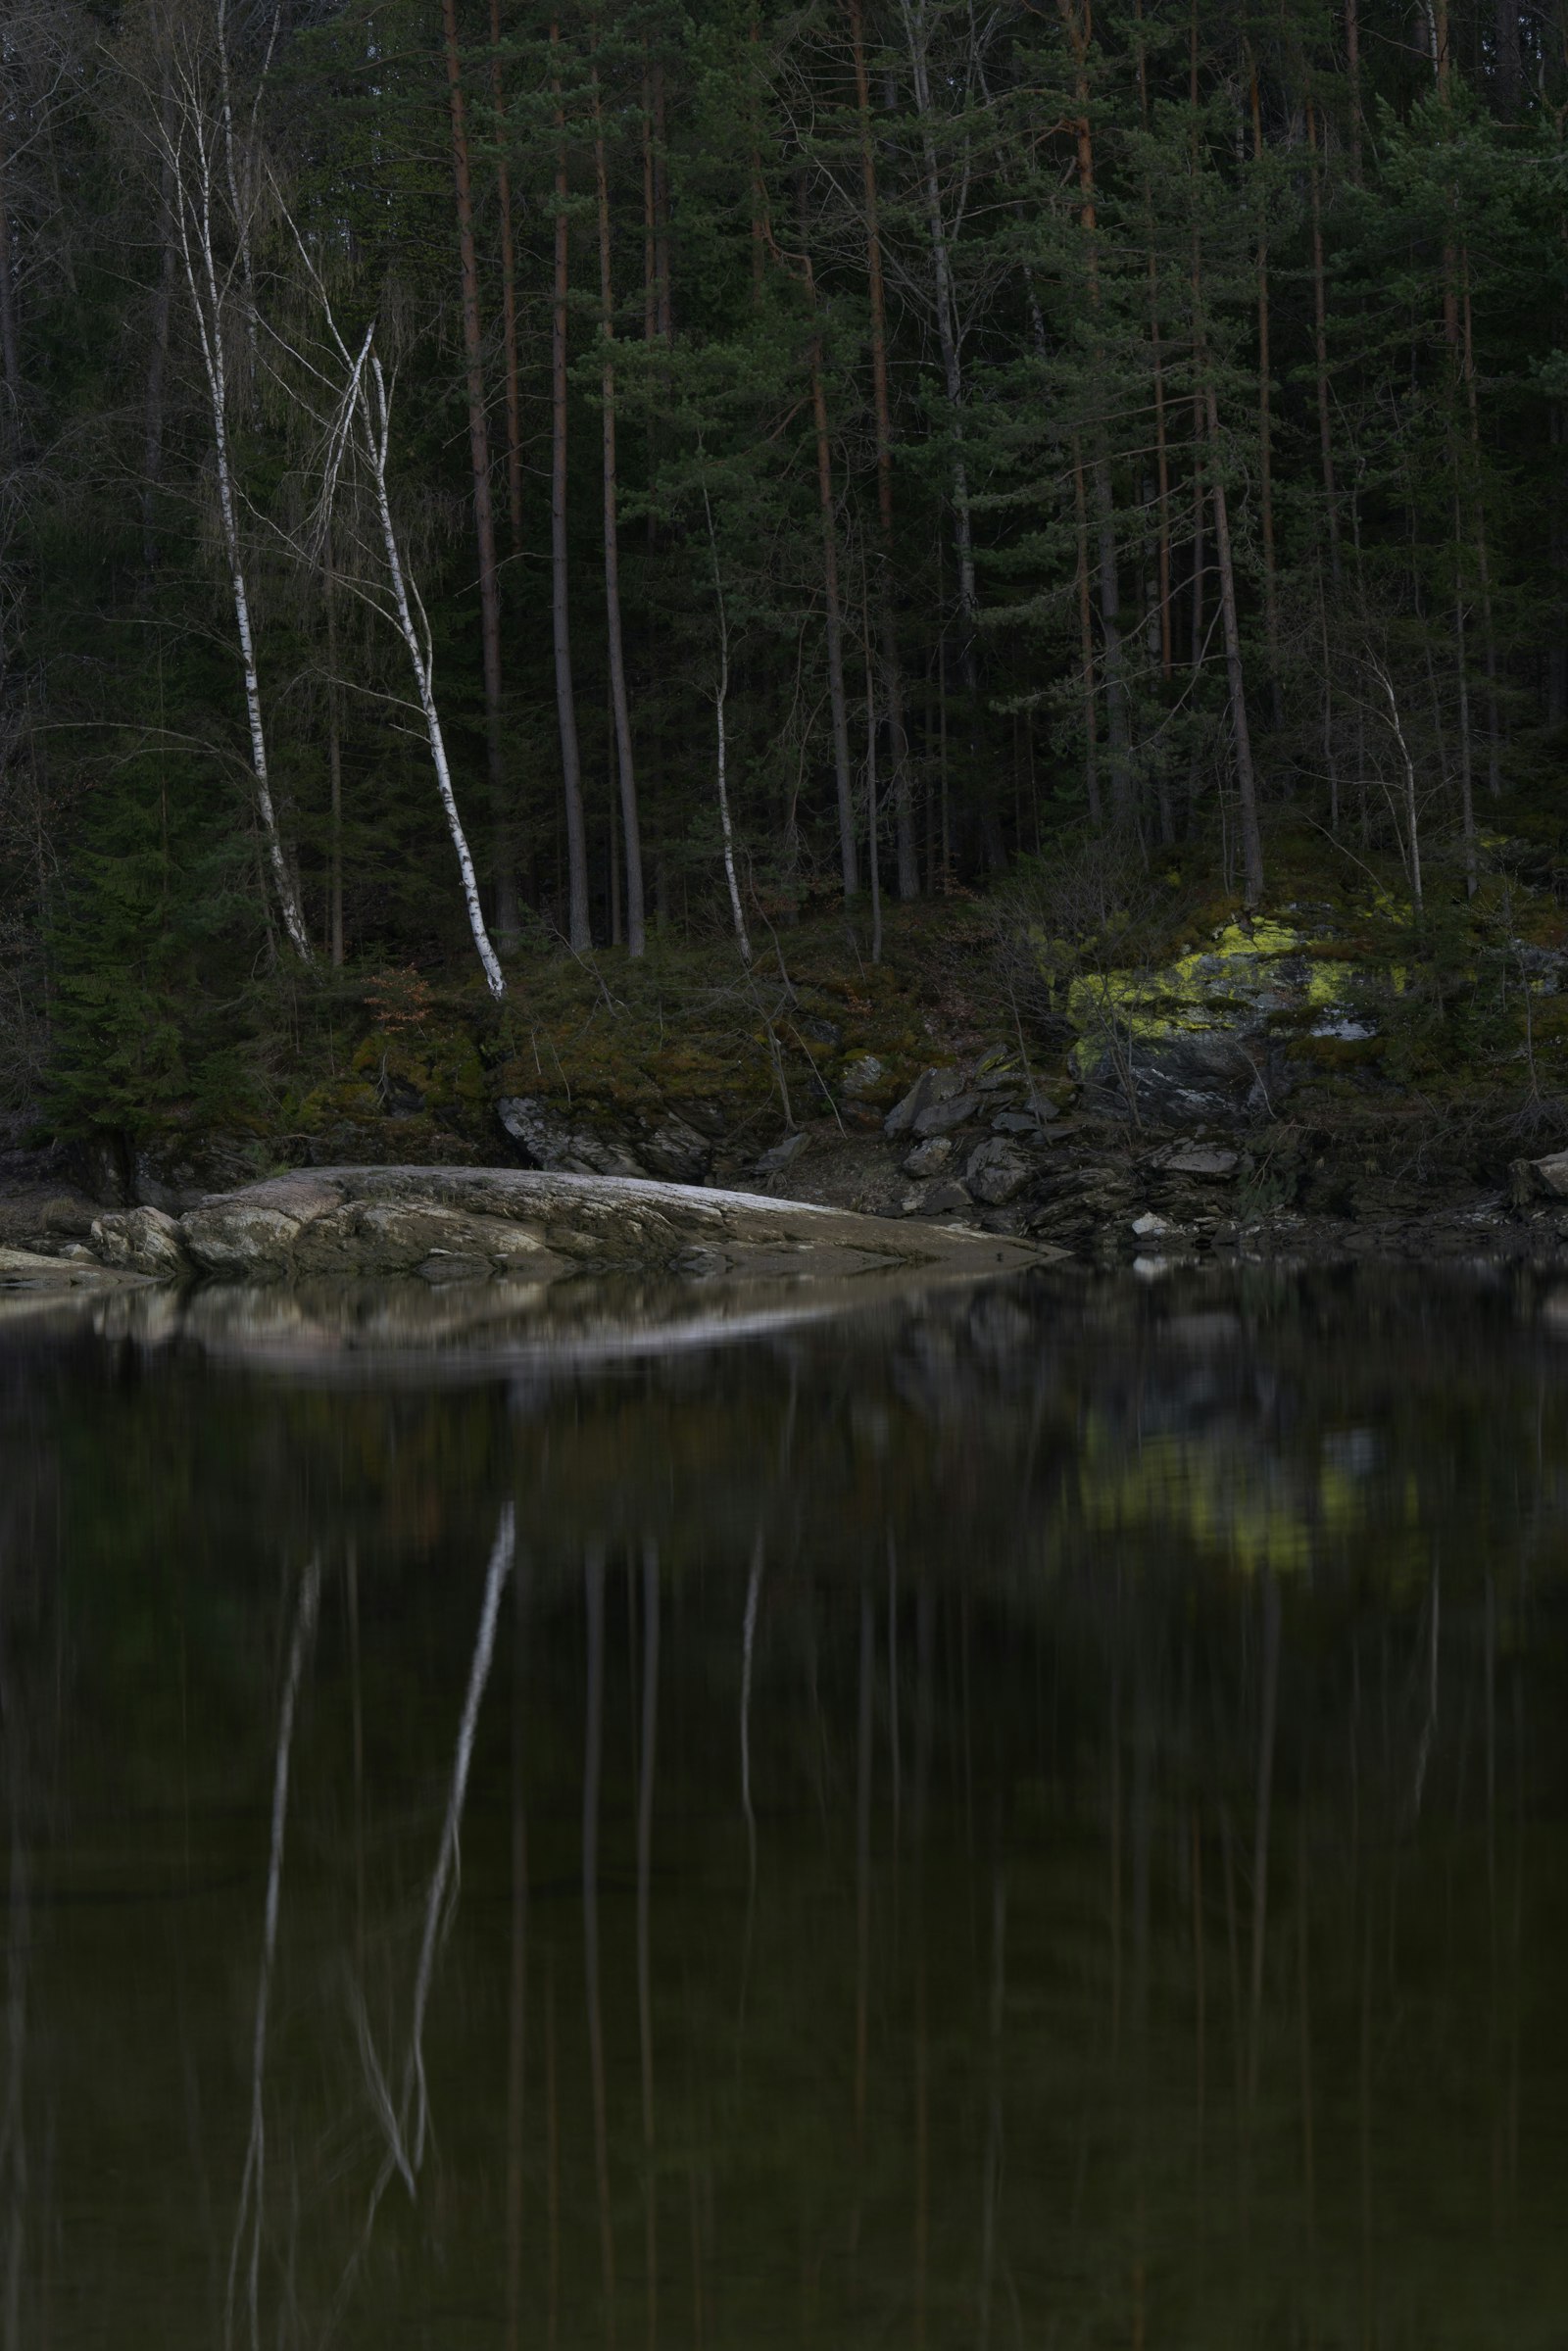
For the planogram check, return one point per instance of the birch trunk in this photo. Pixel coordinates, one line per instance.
(635, 934)
(377, 417)
(579, 932)
(194, 201)
(720, 702)
(484, 524)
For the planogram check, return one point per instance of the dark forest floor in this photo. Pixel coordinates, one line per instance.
(1338, 1075)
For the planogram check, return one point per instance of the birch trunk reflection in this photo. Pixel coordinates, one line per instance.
(592, 1774)
(245, 2252)
(645, 1971)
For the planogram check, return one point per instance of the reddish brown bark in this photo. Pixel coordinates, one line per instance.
(579, 930)
(509, 289)
(892, 683)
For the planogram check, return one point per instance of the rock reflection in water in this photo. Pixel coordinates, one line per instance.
(1021, 1815)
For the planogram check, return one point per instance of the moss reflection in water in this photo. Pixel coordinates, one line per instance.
(1132, 1912)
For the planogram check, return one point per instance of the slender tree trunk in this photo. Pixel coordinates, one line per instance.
(1508, 74)
(579, 932)
(1320, 342)
(235, 170)
(1483, 563)
(835, 628)
(721, 720)
(665, 319)
(1085, 636)
(11, 428)
(1197, 639)
(1265, 426)
(334, 763)
(1158, 366)
(948, 338)
(375, 410)
(1330, 765)
(1557, 556)
(873, 814)
(1118, 729)
(1467, 808)
(508, 928)
(1245, 783)
(635, 938)
(197, 233)
(759, 224)
(509, 290)
(893, 681)
(152, 457)
(1352, 69)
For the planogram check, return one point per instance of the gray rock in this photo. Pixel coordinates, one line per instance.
(943, 1199)
(996, 1173)
(930, 1157)
(240, 1240)
(30, 1269)
(1203, 1076)
(1149, 1226)
(677, 1151)
(1200, 1160)
(395, 1237)
(454, 1225)
(930, 1087)
(1540, 1179)
(912, 1201)
(941, 1117)
(555, 1145)
(1015, 1122)
(861, 1076)
(142, 1241)
(784, 1154)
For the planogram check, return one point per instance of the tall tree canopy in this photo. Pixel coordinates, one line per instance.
(475, 473)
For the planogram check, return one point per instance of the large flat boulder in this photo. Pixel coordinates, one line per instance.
(30, 1269)
(471, 1223)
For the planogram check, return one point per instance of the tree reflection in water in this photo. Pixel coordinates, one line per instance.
(1023, 1815)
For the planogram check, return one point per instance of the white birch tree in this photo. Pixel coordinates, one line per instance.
(193, 136)
(357, 436)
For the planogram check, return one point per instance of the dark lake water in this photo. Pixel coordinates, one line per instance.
(1031, 1815)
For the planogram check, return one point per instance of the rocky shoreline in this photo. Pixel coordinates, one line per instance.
(977, 1160)
(451, 1225)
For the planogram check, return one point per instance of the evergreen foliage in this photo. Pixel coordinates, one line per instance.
(1221, 468)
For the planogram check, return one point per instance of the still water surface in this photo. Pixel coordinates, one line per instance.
(1032, 1815)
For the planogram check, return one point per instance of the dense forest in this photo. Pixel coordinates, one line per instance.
(479, 482)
